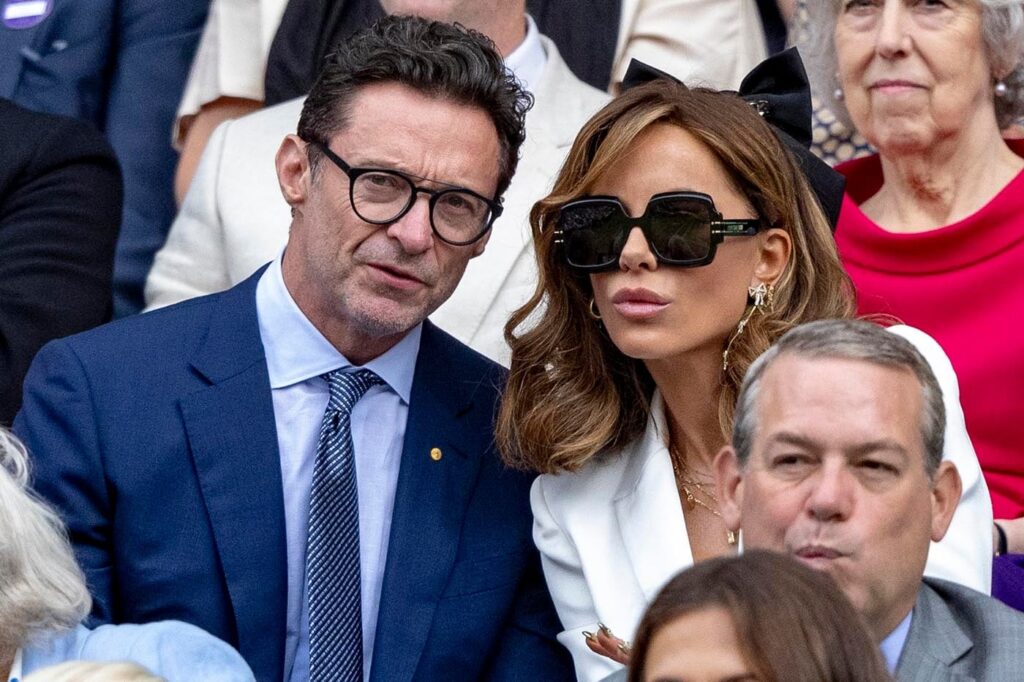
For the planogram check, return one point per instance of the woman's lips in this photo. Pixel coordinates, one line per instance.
(638, 304)
(894, 86)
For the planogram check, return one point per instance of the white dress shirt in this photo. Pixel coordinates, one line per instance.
(527, 61)
(297, 356)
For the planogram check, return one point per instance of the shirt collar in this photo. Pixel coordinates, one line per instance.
(296, 350)
(892, 646)
(15, 675)
(527, 61)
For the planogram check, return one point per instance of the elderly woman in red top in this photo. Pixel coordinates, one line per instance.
(932, 229)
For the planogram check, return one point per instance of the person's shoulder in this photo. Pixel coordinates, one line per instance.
(929, 348)
(172, 649)
(275, 121)
(574, 98)
(51, 136)
(977, 613)
(159, 334)
(596, 483)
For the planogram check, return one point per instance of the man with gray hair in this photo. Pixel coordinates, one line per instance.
(836, 459)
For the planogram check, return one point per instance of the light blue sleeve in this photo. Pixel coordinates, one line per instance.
(176, 651)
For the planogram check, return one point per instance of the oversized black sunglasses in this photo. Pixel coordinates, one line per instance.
(681, 228)
(380, 196)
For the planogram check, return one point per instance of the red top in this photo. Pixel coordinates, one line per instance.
(964, 285)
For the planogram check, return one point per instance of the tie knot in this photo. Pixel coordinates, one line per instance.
(347, 388)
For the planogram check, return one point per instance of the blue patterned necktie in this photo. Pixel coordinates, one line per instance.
(332, 548)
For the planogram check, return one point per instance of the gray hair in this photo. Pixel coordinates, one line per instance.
(1002, 31)
(848, 340)
(41, 587)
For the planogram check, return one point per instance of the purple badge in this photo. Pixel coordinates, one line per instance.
(25, 13)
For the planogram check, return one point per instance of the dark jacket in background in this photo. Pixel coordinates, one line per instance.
(121, 65)
(586, 39)
(60, 209)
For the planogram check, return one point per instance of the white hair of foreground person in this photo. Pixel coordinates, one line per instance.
(41, 587)
(94, 671)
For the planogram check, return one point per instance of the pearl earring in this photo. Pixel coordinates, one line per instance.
(1000, 89)
(838, 95)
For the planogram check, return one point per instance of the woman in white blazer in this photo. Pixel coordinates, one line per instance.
(627, 360)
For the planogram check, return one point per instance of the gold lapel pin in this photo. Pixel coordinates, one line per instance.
(435, 454)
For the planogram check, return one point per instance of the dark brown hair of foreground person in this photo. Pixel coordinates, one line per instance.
(792, 623)
(571, 393)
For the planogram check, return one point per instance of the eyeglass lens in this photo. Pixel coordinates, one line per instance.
(678, 229)
(457, 215)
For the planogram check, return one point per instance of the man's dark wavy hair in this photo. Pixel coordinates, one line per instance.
(447, 61)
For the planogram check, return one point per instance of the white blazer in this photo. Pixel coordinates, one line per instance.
(612, 534)
(234, 219)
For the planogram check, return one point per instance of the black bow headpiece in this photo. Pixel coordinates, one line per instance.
(778, 89)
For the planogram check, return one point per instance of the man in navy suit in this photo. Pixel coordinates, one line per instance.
(200, 454)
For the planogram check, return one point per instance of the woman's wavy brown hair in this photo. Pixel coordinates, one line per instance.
(571, 393)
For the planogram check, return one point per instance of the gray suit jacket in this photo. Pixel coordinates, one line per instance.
(959, 634)
(956, 635)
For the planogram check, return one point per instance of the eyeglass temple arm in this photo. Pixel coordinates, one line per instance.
(735, 228)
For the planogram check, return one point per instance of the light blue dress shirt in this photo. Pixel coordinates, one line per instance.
(177, 652)
(892, 646)
(297, 356)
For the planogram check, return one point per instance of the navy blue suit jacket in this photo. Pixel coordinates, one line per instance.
(120, 64)
(155, 438)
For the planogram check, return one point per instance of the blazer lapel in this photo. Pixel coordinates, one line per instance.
(430, 503)
(233, 439)
(935, 642)
(648, 509)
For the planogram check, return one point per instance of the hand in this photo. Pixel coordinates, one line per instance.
(606, 644)
(1014, 529)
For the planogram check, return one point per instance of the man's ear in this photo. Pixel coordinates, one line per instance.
(729, 482)
(946, 491)
(776, 249)
(293, 171)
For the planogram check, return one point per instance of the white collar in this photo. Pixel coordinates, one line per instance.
(296, 350)
(15, 675)
(528, 60)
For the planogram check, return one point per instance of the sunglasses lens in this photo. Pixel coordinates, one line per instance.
(592, 233)
(680, 229)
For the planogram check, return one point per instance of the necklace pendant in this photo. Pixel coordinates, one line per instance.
(691, 501)
(730, 537)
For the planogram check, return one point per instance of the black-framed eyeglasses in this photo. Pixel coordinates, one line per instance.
(681, 228)
(458, 216)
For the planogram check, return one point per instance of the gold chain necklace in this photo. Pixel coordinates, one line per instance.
(692, 501)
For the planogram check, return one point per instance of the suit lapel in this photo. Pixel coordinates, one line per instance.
(935, 642)
(430, 504)
(233, 440)
(648, 509)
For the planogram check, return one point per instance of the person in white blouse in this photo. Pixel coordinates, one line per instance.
(679, 242)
